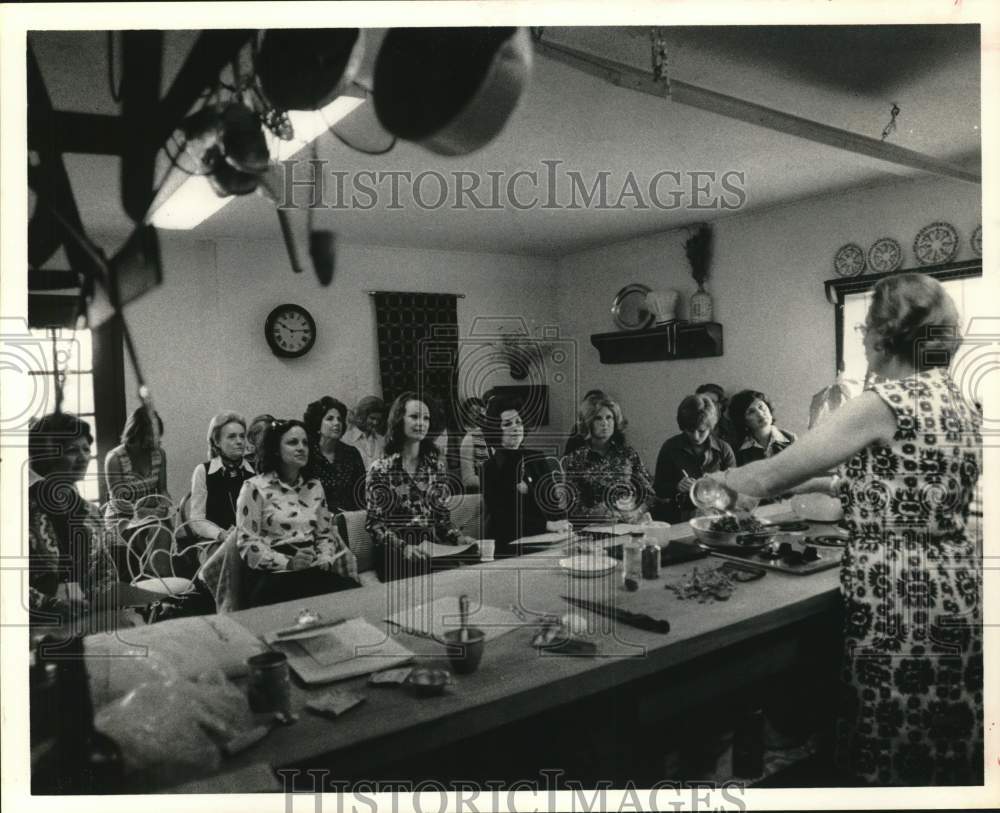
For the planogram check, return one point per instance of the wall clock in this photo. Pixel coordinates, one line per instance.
(290, 331)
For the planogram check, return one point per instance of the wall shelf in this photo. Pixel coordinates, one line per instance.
(680, 340)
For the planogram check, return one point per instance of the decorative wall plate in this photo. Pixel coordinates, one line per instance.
(629, 308)
(849, 261)
(976, 241)
(936, 243)
(885, 255)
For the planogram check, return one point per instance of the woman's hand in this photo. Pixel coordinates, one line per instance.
(303, 559)
(684, 486)
(417, 553)
(558, 526)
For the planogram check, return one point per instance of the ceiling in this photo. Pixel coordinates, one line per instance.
(846, 77)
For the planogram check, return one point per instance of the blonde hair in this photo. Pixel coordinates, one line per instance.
(215, 429)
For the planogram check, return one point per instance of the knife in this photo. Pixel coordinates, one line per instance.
(638, 620)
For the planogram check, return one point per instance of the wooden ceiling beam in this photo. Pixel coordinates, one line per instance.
(627, 76)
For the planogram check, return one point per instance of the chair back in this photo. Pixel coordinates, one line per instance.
(222, 573)
(351, 527)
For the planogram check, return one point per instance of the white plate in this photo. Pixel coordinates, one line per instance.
(589, 567)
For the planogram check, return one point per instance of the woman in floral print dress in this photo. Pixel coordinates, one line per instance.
(407, 493)
(285, 532)
(908, 456)
(608, 478)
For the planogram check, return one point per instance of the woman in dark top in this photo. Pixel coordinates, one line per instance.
(336, 465)
(752, 419)
(684, 458)
(216, 483)
(520, 487)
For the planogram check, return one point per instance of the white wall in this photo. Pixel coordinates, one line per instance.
(200, 337)
(766, 281)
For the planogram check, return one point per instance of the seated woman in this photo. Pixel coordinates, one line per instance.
(684, 458)
(752, 419)
(67, 541)
(473, 452)
(284, 531)
(255, 432)
(367, 435)
(336, 465)
(408, 493)
(136, 476)
(607, 475)
(723, 428)
(216, 484)
(578, 437)
(519, 497)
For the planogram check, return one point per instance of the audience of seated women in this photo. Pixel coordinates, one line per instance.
(752, 419)
(407, 493)
(285, 533)
(216, 483)
(336, 465)
(607, 475)
(473, 451)
(520, 487)
(367, 433)
(685, 457)
(69, 565)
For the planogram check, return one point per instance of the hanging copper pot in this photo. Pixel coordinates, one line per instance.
(307, 68)
(451, 90)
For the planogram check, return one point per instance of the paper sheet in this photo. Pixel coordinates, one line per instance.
(347, 650)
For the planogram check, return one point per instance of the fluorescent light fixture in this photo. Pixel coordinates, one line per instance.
(184, 201)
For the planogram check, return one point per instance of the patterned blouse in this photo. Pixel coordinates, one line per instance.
(90, 564)
(406, 510)
(343, 480)
(274, 520)
(601, 481)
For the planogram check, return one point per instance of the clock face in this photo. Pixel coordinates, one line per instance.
(290, 331)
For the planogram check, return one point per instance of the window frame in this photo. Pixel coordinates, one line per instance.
(837, 290)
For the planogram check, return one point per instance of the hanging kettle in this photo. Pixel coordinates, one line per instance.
(451, 90)
(307, 68)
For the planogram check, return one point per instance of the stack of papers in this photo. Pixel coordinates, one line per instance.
(346, 650)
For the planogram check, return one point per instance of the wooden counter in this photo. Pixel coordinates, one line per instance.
(641, 678)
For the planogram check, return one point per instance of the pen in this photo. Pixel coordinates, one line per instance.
(308, 628)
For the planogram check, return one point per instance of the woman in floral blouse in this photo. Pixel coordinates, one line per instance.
(285, 532)
(337, 466)
(607, 475)
(408, 493)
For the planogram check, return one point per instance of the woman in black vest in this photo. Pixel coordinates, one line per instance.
(216, 484)
(522, 488)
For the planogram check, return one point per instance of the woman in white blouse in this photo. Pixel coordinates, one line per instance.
(285, 533)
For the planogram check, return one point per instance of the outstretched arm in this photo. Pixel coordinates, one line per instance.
(861, 422)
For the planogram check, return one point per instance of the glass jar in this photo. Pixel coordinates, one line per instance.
(632, 560)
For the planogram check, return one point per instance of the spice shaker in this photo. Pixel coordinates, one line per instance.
(650, 559)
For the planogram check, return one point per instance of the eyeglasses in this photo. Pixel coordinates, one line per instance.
(861, 329)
